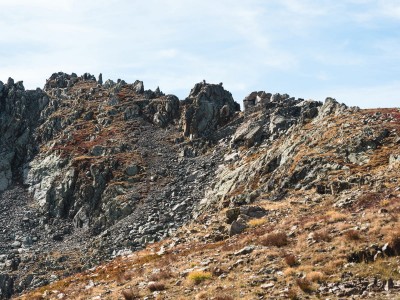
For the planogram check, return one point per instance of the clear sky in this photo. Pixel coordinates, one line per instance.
(346, 49)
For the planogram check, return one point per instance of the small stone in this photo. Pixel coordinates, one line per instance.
(245, 250)
(389, 284)
(132, 170)
(16, 244)
(238, 262)
(267, 285)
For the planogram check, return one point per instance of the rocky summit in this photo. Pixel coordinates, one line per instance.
(111, 191)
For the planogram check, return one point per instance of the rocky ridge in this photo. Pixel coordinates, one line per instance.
(96, 170)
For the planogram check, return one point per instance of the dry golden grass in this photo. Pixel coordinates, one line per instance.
(197, 277)
(322, 235)
(163, 274)
(36, 296)
(202, 295)
(289, 272)
(277, 239)
(335, 216)
(223, 297)
(394, 240)
(130, 294)
(352, 235)
(318, 258)
(382, 268)
(315, 276)
(305, 285)
(256, 222)
(291, 260)
(368, 200)
(148, 258)
(334, 266)
(293, 293)
(305, 268)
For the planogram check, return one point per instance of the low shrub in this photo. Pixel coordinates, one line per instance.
(293, 294)
(394, 241)
(315, 276)
(335, 216)
(164, 274)
(277, 239)
(352, 235)
(223, 297)
(305, 285)
(369, 200)
(291, 260)
(130, 294)
(322, 235)
(156, 286)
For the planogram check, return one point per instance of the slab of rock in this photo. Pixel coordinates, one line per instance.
(237, 227)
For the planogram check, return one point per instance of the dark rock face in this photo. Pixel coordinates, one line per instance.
(20, 114)
(6, 286)
(207, 107)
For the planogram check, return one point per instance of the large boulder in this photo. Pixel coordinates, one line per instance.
(256, 99)
(207, 107)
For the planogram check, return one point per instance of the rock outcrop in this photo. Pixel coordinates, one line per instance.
(20, 114)
(268, 116)
(207, 107)
(90, 170)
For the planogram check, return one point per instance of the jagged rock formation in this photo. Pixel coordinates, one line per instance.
(20, 114)
(91, 170)
(208, 107)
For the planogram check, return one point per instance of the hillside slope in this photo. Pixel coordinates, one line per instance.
(193, 199)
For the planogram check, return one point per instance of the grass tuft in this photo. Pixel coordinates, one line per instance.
(352, 235)
(256, 222)
(305, 285)
(315, 276)
(322, 235)
(394, 241)
(291, 260)
(199, 276)
(223, 297)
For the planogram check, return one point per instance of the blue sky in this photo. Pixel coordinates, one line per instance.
(312, 49)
